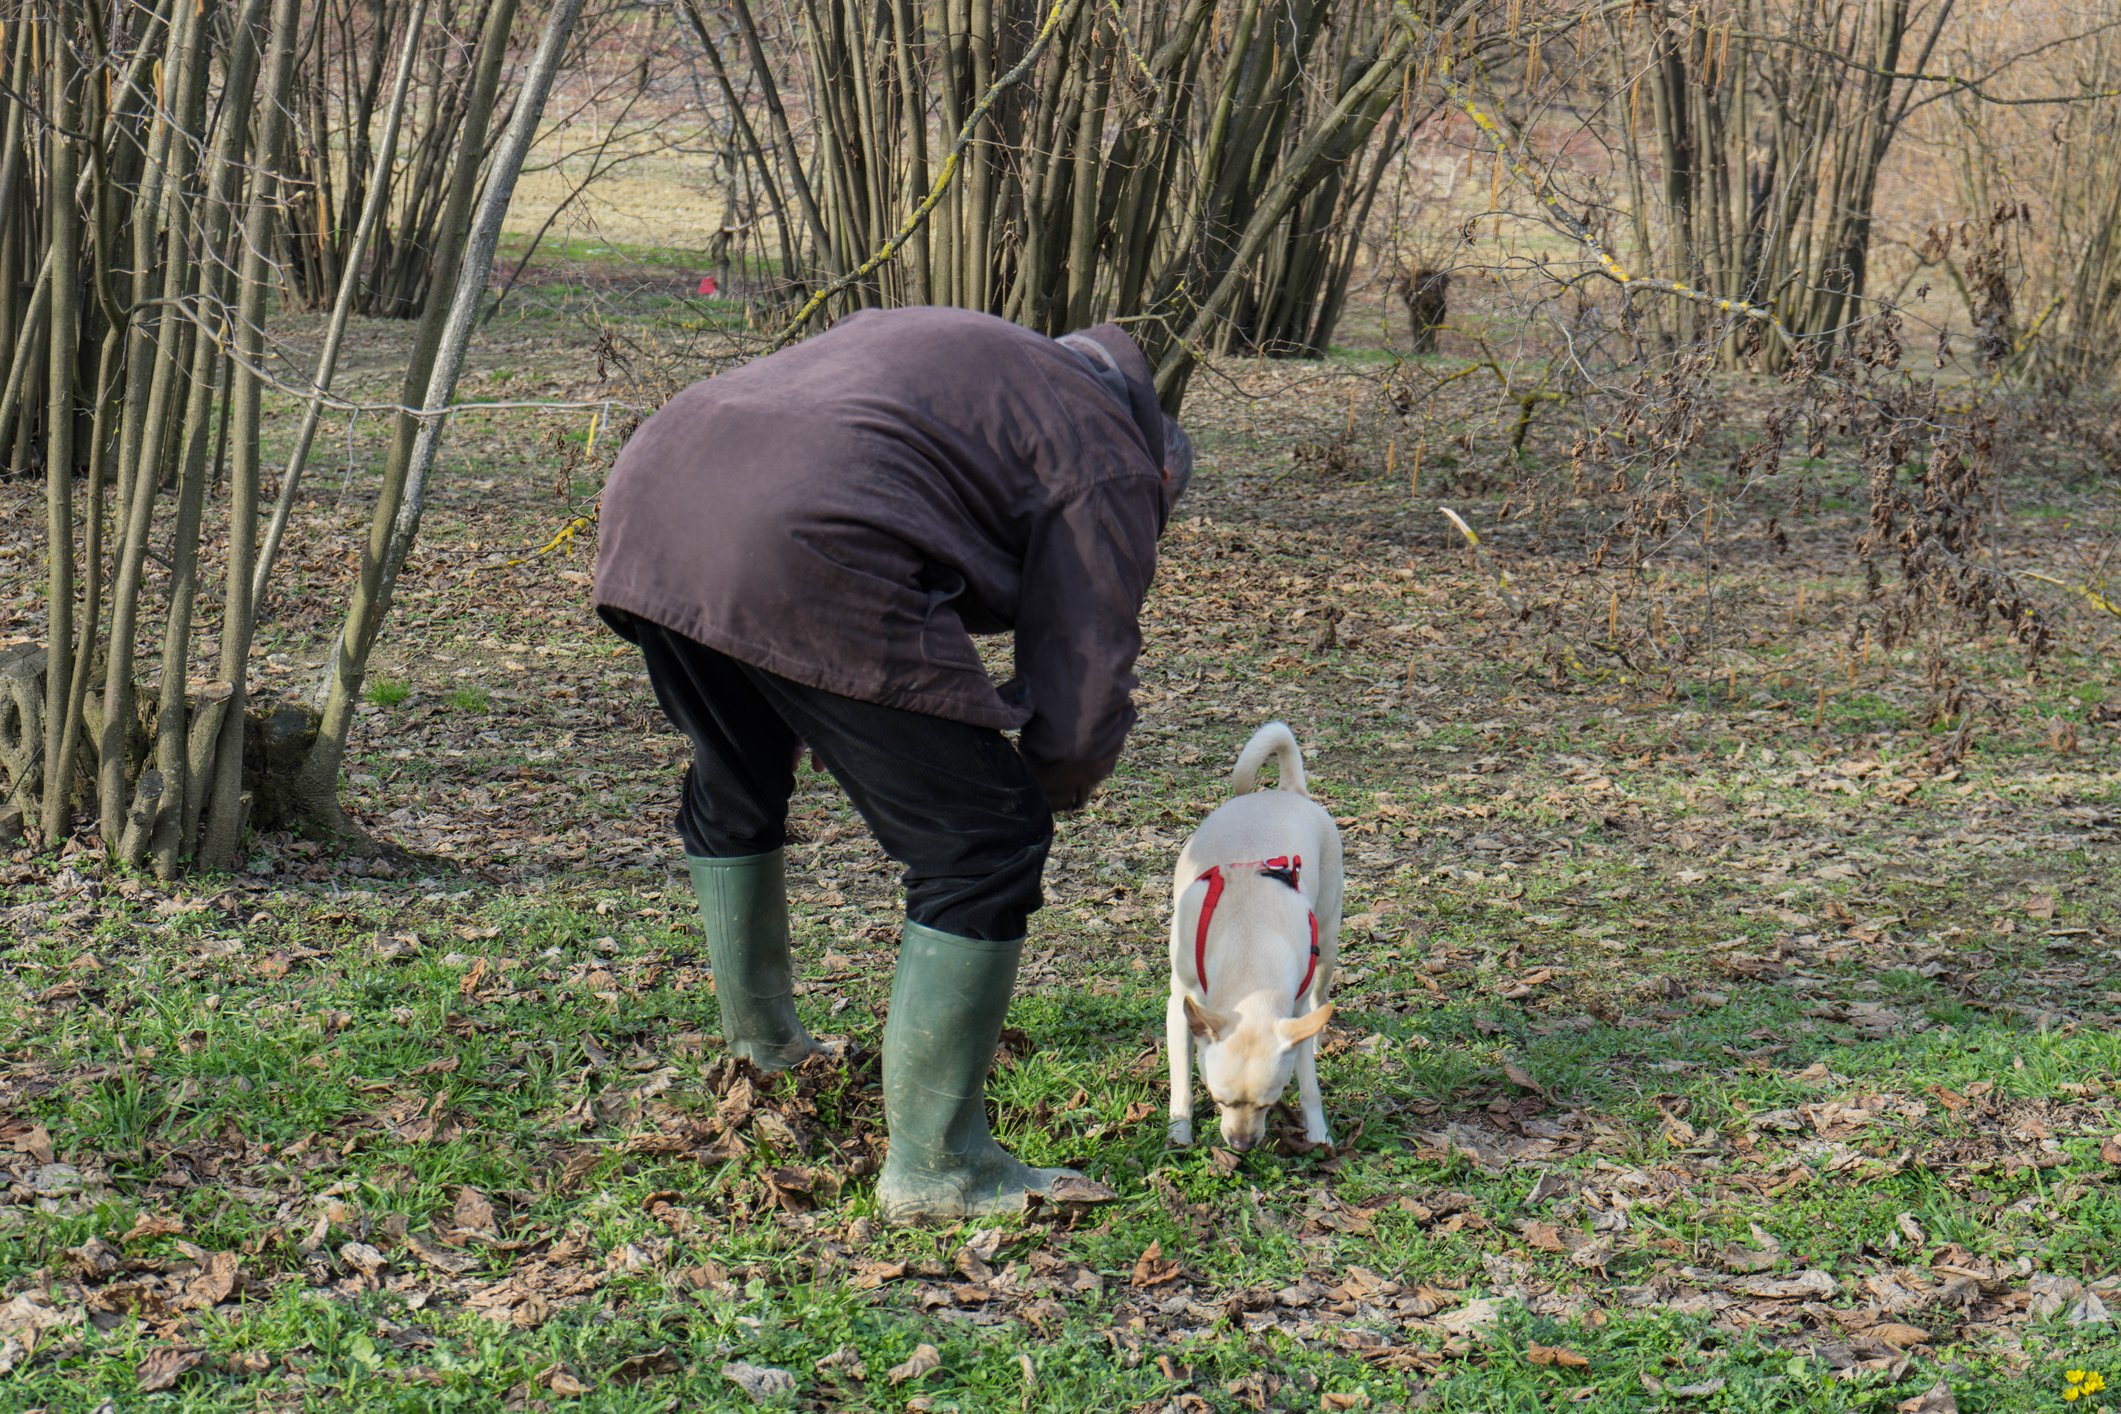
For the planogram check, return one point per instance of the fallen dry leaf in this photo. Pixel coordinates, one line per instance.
(2110, 1151)
(1745, 1260)
(95, 1259)
(564, 1382)
(636, 1368)
(165, 1365)
(214, 1284)
(28, 1317)
(438, 1257)
(1556, 1355)
(846, 1360)
(1522, 1078)
(363, 1258)
(869, 1275)
(2048, 1293)
(1898, 1335)
(1333, 1400)
(1548, 1185)
(1937, 1399)
(925, 1361)
(1808, 1283)
(1471, 1317)
(761, 1382)
(153, 1225)
(1152, 1269)
(474, 1213)
(1074, 1188)
(1698, 1391)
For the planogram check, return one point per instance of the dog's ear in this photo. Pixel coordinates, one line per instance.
(1205, 1025)
(1303, 1028)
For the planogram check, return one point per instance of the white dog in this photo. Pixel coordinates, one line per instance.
(1255, 926)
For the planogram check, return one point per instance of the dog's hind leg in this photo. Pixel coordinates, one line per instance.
(1315, 1131)
(1178, 1040)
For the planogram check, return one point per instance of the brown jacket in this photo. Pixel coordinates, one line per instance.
(847, 512)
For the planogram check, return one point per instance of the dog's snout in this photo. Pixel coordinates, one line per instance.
(1244, 1127)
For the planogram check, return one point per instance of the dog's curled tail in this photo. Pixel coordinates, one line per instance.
(1275, 740)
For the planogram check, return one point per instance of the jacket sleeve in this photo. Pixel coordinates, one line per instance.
(1078, 632)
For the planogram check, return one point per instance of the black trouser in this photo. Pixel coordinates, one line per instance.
(951, 802)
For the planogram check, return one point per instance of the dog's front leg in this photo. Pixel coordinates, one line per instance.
(1178, 1040)
(1315, 1131)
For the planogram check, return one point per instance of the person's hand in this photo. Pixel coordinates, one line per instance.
(1068, 786)
(1068, 800)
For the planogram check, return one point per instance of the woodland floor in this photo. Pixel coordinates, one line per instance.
(1720, 1038)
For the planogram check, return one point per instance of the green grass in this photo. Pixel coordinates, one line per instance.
(1648, 981)
(253, 1066)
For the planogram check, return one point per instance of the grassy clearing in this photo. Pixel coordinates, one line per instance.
(1708, 1043)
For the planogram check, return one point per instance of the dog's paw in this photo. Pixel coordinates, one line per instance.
(1180, 1133)
(1319, 1135)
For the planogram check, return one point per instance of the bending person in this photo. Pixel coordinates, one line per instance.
(803, 548)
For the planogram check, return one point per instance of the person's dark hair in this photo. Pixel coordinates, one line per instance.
(1178, 460)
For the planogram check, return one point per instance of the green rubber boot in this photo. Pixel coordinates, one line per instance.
(744, 908)
(947, 1005)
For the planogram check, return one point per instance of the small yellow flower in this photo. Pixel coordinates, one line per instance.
(2079, 1383)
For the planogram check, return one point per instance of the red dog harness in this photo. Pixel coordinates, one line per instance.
(1285, 867)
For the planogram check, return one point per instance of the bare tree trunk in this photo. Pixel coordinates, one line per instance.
(1127, 170)
(216, 848)
(378, 189)
(126, 812)
(392, 533)
(59, 427)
